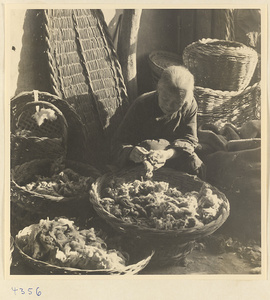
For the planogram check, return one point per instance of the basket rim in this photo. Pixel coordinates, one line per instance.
(46, 196)
(48, 95)
(208, 43)
(49, 104)
(32, 137)
(34, 103)
(140, 264)
(71, 115)
(30, 92)
(94, 199)
(15, 119)
(164, 54)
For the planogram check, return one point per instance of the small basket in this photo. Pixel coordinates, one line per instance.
(172, 245)
(36, 134)
(160, 60)
(220, 64)
(76, 134)
(29, 206)
(221, 107)
(49, 269)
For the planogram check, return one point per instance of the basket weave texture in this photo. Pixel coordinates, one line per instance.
(221, 107)
(48, 139)
(184, 182)
(220, 65)
(84, 69)
(170, 246)
(28, 207)
(75, 135)
(46, 268)
(160, 60)
(166, 252)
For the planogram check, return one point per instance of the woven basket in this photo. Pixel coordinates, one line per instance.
(160, 60)
(45, 139)
(221, 107)
(220, 65)
(45, 268)
(166, 252)
(183, 181)
(76, 134)
(169, 245)
(29, 206)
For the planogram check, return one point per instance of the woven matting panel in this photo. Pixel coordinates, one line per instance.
(84, 67)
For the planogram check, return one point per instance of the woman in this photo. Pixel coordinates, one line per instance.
(161, 126)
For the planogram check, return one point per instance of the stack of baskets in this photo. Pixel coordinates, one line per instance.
(37, 159)
(41, 137)
(223, 71)
(171, 246)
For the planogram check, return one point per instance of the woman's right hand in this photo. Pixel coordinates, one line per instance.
(138, 154)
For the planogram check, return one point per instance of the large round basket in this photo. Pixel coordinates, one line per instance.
(160, 60)
(28, 206)
(215, 106)
(38, 130)
(220, 64)
(170, 246)
(45, 268)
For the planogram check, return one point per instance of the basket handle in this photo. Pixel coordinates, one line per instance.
(35, 95)
(37, 103)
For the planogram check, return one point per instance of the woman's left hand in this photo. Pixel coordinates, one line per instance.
(158, 158)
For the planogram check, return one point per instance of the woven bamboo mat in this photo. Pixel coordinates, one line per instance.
(83, 62)
(73, 57)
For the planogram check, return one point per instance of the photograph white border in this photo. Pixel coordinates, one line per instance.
(264, 181)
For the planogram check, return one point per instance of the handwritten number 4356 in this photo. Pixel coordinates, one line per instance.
(29, 291)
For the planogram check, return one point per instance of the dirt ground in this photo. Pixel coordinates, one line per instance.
(202, 262)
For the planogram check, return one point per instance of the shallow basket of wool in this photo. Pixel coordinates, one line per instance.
(48, 188)
(169, 244)
(31, 238)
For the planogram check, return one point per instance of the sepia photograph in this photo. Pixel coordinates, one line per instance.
(136, 141)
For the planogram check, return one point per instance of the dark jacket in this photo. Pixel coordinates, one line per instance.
(146, 121)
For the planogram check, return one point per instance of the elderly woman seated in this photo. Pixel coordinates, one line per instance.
(162, 126)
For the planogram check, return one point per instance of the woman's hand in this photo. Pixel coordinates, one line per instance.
(199, 167)
(158, 158)
(138, 154)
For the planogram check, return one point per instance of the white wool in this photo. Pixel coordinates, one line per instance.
(44, 113)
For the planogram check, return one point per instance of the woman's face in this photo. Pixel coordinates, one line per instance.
(171, 101)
